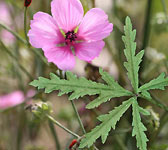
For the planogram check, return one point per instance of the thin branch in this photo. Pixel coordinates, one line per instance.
(15, 58)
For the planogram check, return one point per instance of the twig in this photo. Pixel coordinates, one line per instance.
(61, 126)
(78, 117)
(25, 24)
(54, 133)
(14, 33)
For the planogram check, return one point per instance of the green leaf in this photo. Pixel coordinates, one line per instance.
(116, 91)
(110, 80)
(144, 111)
(138, 127)
(133, 61)
(80, 87)
(108, 121)
(146, 95)
(159, 83)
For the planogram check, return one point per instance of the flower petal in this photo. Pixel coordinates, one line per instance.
(88, 50)
(11, 100)
(67, 13)
(95, 25)
(44, 31)
(61, 56)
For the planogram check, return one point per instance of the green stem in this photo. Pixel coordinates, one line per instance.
(147, 24)
(15, 58)
(61, 74)
(165, 9)
(61, 126)
(65, 129)
(25, 24)
(54, 133)
(78, 117)
(35, 51)
(157, 102)
(120, 142)
(146, 31)
(13, 33)
(22, 123)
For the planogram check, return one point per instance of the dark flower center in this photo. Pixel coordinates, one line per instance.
(70, 36)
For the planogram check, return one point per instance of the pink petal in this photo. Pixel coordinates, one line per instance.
(60, 56)
(88, 50)
(95, 25)
(67, 13)
(7, 37)
(11, 100)
(30, 93)
(44, 31)
(5, 16)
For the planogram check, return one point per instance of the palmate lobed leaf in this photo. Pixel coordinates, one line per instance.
(159, 83)
(108, 121)
(80, 87)
(138, 127)
(133, 61)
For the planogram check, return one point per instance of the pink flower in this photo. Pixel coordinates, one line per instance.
(5, 14)
(6, 19)
(83, 36)
(13, 99)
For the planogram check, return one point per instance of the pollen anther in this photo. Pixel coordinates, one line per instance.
(70, 36)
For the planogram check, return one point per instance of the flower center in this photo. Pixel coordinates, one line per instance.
(70, 36)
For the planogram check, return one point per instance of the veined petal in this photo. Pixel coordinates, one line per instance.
(61, 56)
(95, 25)
(67, 13)
(88, 50)
(44, 31)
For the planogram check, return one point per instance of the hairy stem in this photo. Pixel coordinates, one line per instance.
(54, 133)
(147, 24)
(25, 24)
(13, 33)
(65, 129)
(61, 126)
(78, 117)
(146, 31)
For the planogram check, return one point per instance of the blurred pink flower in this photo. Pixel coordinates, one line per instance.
(4, 14)
(6, 19)
(15, 98)
(7, 37)
(67, 15)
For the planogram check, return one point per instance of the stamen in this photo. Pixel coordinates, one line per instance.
(70, 36)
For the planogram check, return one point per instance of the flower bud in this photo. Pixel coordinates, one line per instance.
(40, 109)
(72, 144)
(27, 3)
